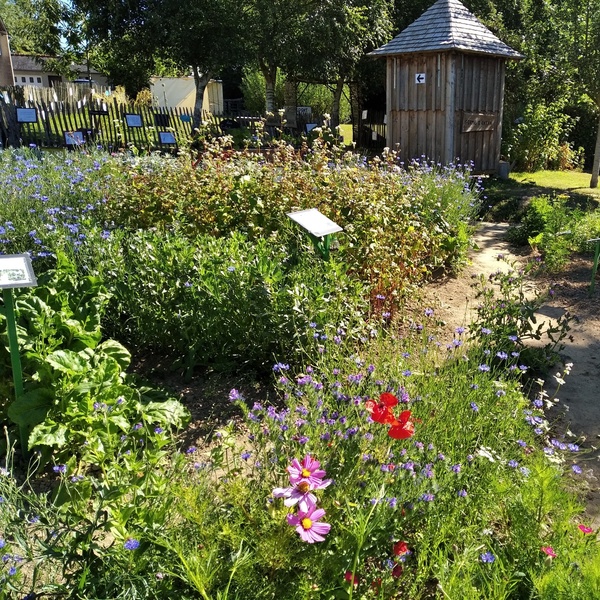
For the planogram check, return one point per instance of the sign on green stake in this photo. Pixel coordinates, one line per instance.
(15, 271)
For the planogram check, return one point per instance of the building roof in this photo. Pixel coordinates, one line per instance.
(447, 25)
(31, 62)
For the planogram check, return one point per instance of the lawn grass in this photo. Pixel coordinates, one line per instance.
(505, 199)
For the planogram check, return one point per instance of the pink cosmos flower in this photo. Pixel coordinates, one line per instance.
(549, 551)
(585, 529)
(309, 526)
(308, 470)
(300, 494)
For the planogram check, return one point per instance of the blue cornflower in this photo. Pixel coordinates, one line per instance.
(487, 557)
(502, 355)
(474, 407)
(427, 497)
(513, 463)
(576, 469)
(158, 430)
(486, 331)
(131, 544)
(245, 455)
(60, 468)
(462, 493)
(484, 368)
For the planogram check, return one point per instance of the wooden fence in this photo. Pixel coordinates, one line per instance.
(89, 118)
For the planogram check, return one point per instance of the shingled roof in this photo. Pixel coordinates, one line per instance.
(447, 25)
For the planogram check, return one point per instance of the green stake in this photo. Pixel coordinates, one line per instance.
(15, 358)
(595, 267)
(15, 271)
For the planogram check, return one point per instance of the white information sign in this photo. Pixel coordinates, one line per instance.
(16, 271)
(315, 222)
(420, 78)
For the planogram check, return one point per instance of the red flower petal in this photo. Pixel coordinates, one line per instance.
(388, 399)
(400, 548)
(403, 427)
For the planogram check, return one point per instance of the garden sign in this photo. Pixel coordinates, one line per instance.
(15, 271)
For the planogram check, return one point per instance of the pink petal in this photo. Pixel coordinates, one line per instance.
(282, 492)
(585, 529)
(321, 528)
(316, 515)
(293, 520)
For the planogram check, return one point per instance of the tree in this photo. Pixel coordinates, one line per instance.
(337, 35)
(34, 26)
(274, 29)
(582, 20)
(204, 35)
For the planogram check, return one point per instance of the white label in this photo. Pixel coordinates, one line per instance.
(420, 78)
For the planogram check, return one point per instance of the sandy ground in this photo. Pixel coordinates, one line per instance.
(578, 409)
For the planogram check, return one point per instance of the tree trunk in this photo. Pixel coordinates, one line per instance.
(270, 75)
(596, 164)
(335, 107)
(201, 80)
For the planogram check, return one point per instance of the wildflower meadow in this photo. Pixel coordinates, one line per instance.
(385, 458)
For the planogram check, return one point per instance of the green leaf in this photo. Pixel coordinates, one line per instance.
(117, 351)
(67, 361)
(32, 407)
(48, 434)
(170, 412)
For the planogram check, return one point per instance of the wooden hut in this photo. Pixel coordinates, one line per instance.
(445, 88)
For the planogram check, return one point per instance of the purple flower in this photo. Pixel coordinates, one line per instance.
(462, 493)
(235, 395)
(427, 497)
(456, 468)
(131, 544)
(60, 468)
(484, 368)
(245, 455)
(576, 469)
(487, 557)
(474, 407)
(513, 463)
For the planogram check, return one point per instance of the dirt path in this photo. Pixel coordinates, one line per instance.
(579, 406)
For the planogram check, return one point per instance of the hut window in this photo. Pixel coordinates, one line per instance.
(23, 80)
(39, 80)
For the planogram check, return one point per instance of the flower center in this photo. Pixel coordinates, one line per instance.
(306, 523)
(305, 473)
(303, 487)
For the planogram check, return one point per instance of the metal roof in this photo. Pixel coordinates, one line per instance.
(447, 25)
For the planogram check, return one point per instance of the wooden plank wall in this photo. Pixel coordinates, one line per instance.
(482, 91)
(417, 112)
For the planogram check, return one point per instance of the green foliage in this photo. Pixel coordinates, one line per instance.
(537, 142)
(78, 402)
(553, 227)
(506, 318)
(225, 302)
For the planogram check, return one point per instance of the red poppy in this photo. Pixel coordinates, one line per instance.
(403, 427)
(381, 412)
(400, 548)
(397, 571)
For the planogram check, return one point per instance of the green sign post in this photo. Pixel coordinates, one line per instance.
(15, 271)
